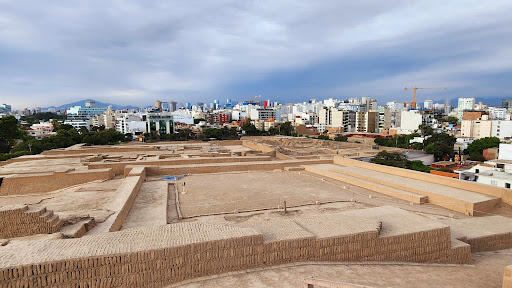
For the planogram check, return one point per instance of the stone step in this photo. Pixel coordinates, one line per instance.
(52, 221)
(47, 215)
(324, 170)
(35, 211)
(455, 199)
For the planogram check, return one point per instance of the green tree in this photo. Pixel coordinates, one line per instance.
(439, 150)
(250, 129)
(9, 131)
(425, 130)
(453, 120)
(440, 145)
(383, 141)
(477, 147)
(273, 131)
(286, 128)
(417, 146)
(341, 138)
(391, 159)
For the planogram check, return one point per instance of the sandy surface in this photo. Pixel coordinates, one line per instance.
(486, 271)
(149, 207)
(242, 191)
(213, 193)
(42, 166)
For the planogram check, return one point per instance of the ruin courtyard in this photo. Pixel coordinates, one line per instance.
(255, 212)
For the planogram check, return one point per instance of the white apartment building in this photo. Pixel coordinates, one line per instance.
(486, 128)
(410, 120)
(334, 117)
(78, 124)
(428, 104)
(395, 105)
(495, 172)
(497, 113)
(265, 114)
(131, 124)
(366, 122)
(501, 129)
(107, 119)
(463, 105)
(331, 102)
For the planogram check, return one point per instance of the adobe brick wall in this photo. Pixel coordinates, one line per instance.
(19, 220)
(118, 167)
(41, 157)
(123, 199)
(227, 167)
(368, 185)
(490, 243)
(98, 150)
(19, 184)
(258, 146)
(157, 256)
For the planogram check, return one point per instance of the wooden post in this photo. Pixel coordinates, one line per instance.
(284, 207)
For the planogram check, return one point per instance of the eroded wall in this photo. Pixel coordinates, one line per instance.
(20, 184)
(157, 256)
(19, 220)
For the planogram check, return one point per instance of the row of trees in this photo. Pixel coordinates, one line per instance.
(43, 116)
(15, 142)
(224, 133)
(438, 144)
(341, 138)
(400, 141)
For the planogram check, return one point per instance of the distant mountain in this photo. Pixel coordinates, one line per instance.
(98, 104)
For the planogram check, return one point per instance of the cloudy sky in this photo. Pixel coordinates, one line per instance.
(133, 52)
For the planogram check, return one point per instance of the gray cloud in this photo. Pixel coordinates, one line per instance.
(136, 51)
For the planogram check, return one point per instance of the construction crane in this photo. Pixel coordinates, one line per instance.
(414, 93)
(255, 99)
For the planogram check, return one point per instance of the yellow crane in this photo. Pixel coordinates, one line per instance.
(255, 99)
(414, 93)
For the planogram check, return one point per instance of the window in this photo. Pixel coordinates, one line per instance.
(477, 170)
(507, 185)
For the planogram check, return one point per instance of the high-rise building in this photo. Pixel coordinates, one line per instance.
(428, 104)
(366, 122)
(84, 113)
(172, 106)
(463, 105)
(506, 103)
(158, 105)
(447, 106)
(4, 108)
(165, 106)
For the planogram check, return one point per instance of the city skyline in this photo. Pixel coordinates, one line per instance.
(290, 52)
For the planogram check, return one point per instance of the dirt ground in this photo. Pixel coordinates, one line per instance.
(207, 194)
(485, 271)
(42, 166)
(226, 192)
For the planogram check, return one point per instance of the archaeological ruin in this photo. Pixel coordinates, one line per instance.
(262, 211)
